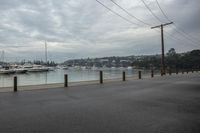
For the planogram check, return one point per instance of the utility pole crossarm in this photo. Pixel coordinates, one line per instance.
(168, 23)
(156, 27)
(162, 25)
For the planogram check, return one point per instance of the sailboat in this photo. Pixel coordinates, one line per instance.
(40, 68)
(17, 68)
(4, 69)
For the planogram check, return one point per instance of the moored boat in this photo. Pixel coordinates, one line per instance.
(129, 67)
(4, 71)
(65, 67)
(20, 70)
(94, 67)
(38, 68)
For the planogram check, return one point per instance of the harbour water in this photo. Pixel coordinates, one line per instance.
(57, 76)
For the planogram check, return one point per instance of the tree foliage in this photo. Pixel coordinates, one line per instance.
(183, 61)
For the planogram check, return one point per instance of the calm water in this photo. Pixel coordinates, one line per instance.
(57, 76)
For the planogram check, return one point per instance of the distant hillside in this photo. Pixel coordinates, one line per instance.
(186, 60)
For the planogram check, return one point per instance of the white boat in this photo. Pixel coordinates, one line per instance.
(27, 66)
(130, 67)
(105, 67)
(65, 67)
(94, 67)
(17, 68)
(4, 71)
(121, 68)
(20, 70)
(83, 67)
(77, 67)
(88, 67)
(52, 68)
(113, 68)
(38, 68)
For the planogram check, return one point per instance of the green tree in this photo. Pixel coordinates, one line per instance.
(172, 58)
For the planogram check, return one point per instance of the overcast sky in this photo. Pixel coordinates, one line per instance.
(84, 28)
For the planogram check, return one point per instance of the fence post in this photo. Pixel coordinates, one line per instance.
(152, 73)
(15, 84)
(66, 81)
(124, 76)
(192, 71)
(139, 74)
(101, 77)
(176, 71)
(170, 72)
(182, 71)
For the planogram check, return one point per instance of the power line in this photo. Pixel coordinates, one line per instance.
(169, 35)
(185, 36)
(151, 11)
(117, 13)
(185, 32)
(158, 17)
(130, 13)
(163, 11)
(178, 30)
(178, 39)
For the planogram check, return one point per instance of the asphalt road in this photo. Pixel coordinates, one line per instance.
(169, 104)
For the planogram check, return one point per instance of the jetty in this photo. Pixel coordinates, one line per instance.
(167, 104)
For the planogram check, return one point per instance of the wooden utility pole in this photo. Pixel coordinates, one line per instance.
(162, 46)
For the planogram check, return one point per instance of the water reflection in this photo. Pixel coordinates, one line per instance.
(57, 76)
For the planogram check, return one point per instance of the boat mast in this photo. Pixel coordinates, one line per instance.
(46, 52)
(3, 57)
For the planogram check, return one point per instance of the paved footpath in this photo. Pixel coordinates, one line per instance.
(169, 104)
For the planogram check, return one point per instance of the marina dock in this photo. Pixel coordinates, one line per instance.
(168, 104)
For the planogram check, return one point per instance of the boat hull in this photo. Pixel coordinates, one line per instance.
(21, 71)
(7, 72)
(38, 70)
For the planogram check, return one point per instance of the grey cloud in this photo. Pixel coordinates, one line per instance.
(76, 29)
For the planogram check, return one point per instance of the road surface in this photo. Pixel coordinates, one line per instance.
(169, 104)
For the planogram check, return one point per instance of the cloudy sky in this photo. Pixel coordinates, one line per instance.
(85, 28)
